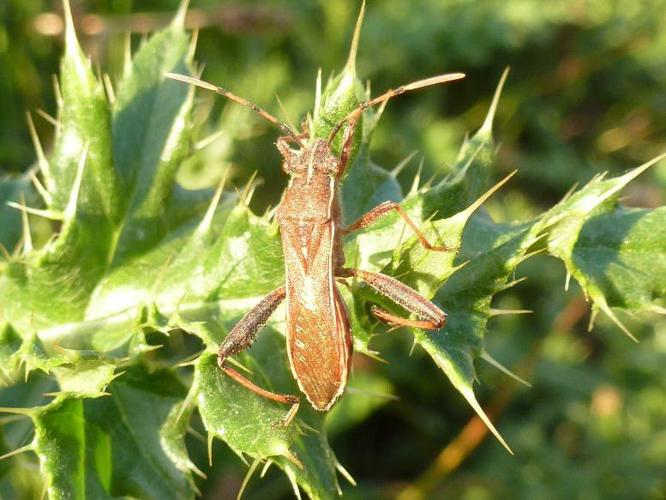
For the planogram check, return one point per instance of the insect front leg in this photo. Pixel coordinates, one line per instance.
(389, 206)
(430, 316)
(242, 336)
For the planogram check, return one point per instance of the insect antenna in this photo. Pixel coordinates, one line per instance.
(352, 117)
(284, 128)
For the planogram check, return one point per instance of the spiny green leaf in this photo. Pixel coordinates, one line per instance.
(150, 137)
(112, 446)
(621, 256)
(492, 253)
(51, 289)
(246, 260)
(84, 377)
(18, 477)
(84, 124)
(250, 424)
(469, 285)
(455, 348)
(452, 195)
(56, 283)
(596, 260)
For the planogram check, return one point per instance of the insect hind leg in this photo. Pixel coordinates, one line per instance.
(242, 336)
(430, 317)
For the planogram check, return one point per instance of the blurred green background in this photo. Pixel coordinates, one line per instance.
(586, 94)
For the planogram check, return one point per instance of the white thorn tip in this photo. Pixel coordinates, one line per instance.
(353, 50)
(108, 86)
(294, 483)
(206, 141)
(317, 103)
(69, 21)
(246, 480)
(127, 54)
(48, 118)
(248, 190)
(211, 437)
(606, 309)
(400, 166)
(5, 253)
(193, 45)
(26, 412)
(293, 459)
(487, 126)
(25, 221)
(417, 179)
(70, 210)
(626, 178)
(472, 208)
(37, 144)
(513, 283)
(210, 213)
(345, 473)
(508, 312)
(17, 451)
(57, 92)
(47, 214)
(181, 14)
(468, 394)
(267, 466)
(46, 196)
(493, 362)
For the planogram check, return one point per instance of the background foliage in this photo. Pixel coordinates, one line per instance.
(585, 96)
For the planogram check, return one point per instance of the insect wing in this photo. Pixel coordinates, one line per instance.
(318, 333)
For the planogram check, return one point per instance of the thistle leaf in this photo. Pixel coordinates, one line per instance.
(150, 138)
(113, 446)
(250, 424)
(615, 254)
(84, 124)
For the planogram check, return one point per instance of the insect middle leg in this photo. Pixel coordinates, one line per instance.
(242, 336)
(430, 316)
(386, 207)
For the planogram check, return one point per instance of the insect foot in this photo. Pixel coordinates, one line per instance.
(289, 416)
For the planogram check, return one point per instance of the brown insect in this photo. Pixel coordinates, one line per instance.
(319, 338)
